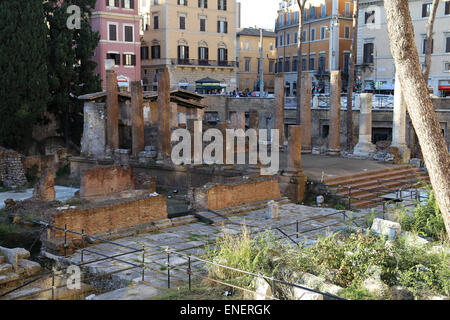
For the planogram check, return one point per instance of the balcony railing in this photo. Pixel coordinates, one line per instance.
(199, 62)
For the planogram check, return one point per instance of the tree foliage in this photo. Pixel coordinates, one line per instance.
(23, 66)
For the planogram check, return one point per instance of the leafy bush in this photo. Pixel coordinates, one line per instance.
(426, 220)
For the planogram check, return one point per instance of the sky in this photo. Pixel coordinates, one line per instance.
(260, 13)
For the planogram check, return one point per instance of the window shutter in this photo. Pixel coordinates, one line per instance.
(218, 26)
(199, 53)
(226, 26)
(447, 43)
(424, 10)
(179, 52)
(447, 7)
(178, 2)
(207, 53)
(123, 3)
(226, 54)
(107, 3)
(224, 5)
(206, 4)
(116, 3)
(218, 54)
(133, 59)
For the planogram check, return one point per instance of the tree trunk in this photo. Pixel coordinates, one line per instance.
(420, 108)
(301, 5)
(351, 77)
(430, 25)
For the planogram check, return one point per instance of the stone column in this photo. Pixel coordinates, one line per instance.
(306, 113)
(137, 118)
(399, 123)
(295, 149)
(365, 147)
(293, 180)
(334, 136)
(279, 106)
(164, 114)
(174, 114)
(112, 113)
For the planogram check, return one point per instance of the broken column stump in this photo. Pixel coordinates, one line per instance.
(293, 179)
(45, 187)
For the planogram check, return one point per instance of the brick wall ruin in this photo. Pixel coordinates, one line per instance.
(12, 173)
(106, 181)
(218, 196)
(109, 217)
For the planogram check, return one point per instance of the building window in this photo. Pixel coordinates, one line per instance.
(129, 59)
(296, 17)
(312, 62)
(294, 64)
(115, 57)
(324, 10)
(347, 32)
(447, 67)
(203, 4)
(312, 12)
(222, 55)
(288, 39)
(369, 17)
(128, 4)
(426, 8)
(271, 66)
(144, 53)
(155, 22)
(222, 5)
(280, 65)
(182, 2)
(304, 64)
(128, 33)
(156, 52)
(323, 32)
(288, 16)
(222, 26)
(304, 36)
(112, 32)
(447, 43)
(347, 9)
(424, 46)
(447, 7)
(112, 3)
(203, 25)
(271, 46)
(321, 66)
(368, 53)
(287, 64)
(281, 19)
(313, 34)
(203, 55)
(296, 37)
(247, 64)
(183, 23)
(183, 54)
(281, 40)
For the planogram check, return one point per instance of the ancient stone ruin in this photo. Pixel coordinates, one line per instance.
(12, 173)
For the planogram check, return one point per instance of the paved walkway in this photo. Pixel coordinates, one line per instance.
(190, 239)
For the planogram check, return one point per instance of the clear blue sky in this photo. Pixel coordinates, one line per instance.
(259, 13)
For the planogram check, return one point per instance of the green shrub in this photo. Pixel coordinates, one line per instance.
(426, 219)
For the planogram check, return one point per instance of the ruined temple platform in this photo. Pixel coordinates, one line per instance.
(317, 167)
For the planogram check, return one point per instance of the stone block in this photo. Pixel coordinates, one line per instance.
(262, 288)
(387, 228)
(45, 188)
(272, 210)
(302, 294)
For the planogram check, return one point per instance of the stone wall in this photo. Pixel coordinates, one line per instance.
(108, 218)
(218, 196)
(105, 181)
(12, 173)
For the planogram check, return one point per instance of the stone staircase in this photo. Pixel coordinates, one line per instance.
(364, 188)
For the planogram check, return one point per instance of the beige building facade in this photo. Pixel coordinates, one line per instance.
(375, 65)
(248, 54)
(327, 28)
(195, 40)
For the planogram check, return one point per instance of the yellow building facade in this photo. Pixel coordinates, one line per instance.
(327, 28)
(195, 39)
(248, 53)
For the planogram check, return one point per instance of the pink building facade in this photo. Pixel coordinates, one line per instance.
(118, 23)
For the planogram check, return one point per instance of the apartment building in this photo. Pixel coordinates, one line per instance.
(248, 53)
(117, 22)
(375, 65)
(195, 40)
(327, 28)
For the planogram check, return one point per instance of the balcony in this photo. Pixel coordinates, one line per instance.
(203, 63)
